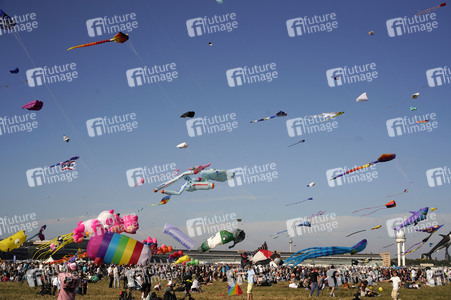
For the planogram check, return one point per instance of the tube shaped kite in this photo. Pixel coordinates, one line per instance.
(387, 205)
(179, 236)
(118, 249)
(299, 201)
(118, 38)
(13, 242)
(428, 10)
(383, 158)
(314, 252)
(221, 238)
(279, 114)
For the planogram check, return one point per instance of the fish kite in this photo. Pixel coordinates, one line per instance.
(118, 38)
(444, 243)
(68, 164)
(14, 71)
(6, 22)
(415, 218)
(140, 182)
(66, 139)
(163, 201)
(306, 223)
(314, 252)
(279, 114)
(428, 10)
(299, 202)
(362, 97)
(383, 158)
(34, 105)
(183, 145)
(40, 234)
(328, 116)
(301, 141)
(431, 230)
(387, 205)
(13, 242)
(188, 114)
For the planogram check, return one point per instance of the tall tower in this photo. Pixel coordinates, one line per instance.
(401, 241)
(291, 242)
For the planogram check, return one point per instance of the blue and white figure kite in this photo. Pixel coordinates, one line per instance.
(200, 183)
(179, 236)
(314, 252)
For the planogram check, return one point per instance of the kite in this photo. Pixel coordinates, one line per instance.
(14, 71)
(192, 262)
(234, 289)
(220, 1)
(431, 230)
(53, 246)
(179, 236)
(175, 255)
(139, 182)
(200, 183)
(372, 228)
(183, 145)
(68, 164)
(188, 114)
(301, 141)
(221, 238)
(314, 252)
(433, 208)
(428, 10)
(416, 217)
(210, 44)
(362, 97)
(306, 223)
(6, 22)
(371, 33)
(118, 38)
(299, 201)
(118, 249)
(328, 116)
(414, 96)
(34, 105)
(66, 139)
(13, 242)
(424, 121)
(405, 191)
(40, 234)
(162, 201)
(412, 108)
(387, 205)
(311, 184)
(444, 243)
(279, 114)
(383, 158)
(182, 259)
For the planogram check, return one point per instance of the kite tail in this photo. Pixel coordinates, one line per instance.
(89, 44)
(373, 212)
(408, 250)
(365, 208)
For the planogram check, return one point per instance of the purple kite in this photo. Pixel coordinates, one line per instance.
(34, 105)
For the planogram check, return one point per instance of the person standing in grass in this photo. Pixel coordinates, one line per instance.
(314, 278)
(396, 285)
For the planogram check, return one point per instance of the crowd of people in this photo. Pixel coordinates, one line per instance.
(68, 279)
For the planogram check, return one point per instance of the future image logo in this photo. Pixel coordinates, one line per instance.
(362, 175)
(309, 125)
(438, 76)
(254, 174)
(438, 176)
(211, 225)
(249, 75)
(49, 75)
(410, 125)
(210, 125)
(319, 223)
(153, 174)
(210, 25)
(309, 25)
(13, 224)
(23, 123)
(18, 23)
(111, 25)
(409, 25)
(349, 75)
(40, 176)
(150, 75)
(110, 125)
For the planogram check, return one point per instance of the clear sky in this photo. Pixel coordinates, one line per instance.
(160, 36)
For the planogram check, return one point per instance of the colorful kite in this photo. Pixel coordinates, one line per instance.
(234, 290)
(444, 243)
(188, 114)
(413, 108)
(221, 238)
(68, 164)
(424, 121)
(53, 246)
(376, 227)
(314, 252)
(387, 205)
(306, 223)
(431, 230)
(13, 242)
(416, 217)
(179, 236)
(182, 259)
(279, 114)
(14, 71)
(433, 208)
(34, 105)
(299, 202)
(162, 201)
(66, 139)
(301, 141)
(372, 228)
(383, 158)
(328, 116)
(362, 97)
(6, 22)
(118, 249)
(140, 182)
(40, 234)
(118, 38)
(428, 10)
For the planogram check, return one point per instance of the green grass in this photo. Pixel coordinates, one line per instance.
(100, 290)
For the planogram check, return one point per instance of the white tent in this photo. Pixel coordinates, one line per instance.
(49, 260)
(362, 97)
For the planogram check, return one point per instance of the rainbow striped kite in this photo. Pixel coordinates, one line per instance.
(234, 290)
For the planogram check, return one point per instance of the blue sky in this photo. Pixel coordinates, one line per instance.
(301, 89)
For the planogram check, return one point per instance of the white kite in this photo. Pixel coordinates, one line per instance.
(182, 145)
(362, 97)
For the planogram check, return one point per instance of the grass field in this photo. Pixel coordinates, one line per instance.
(100, 290)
